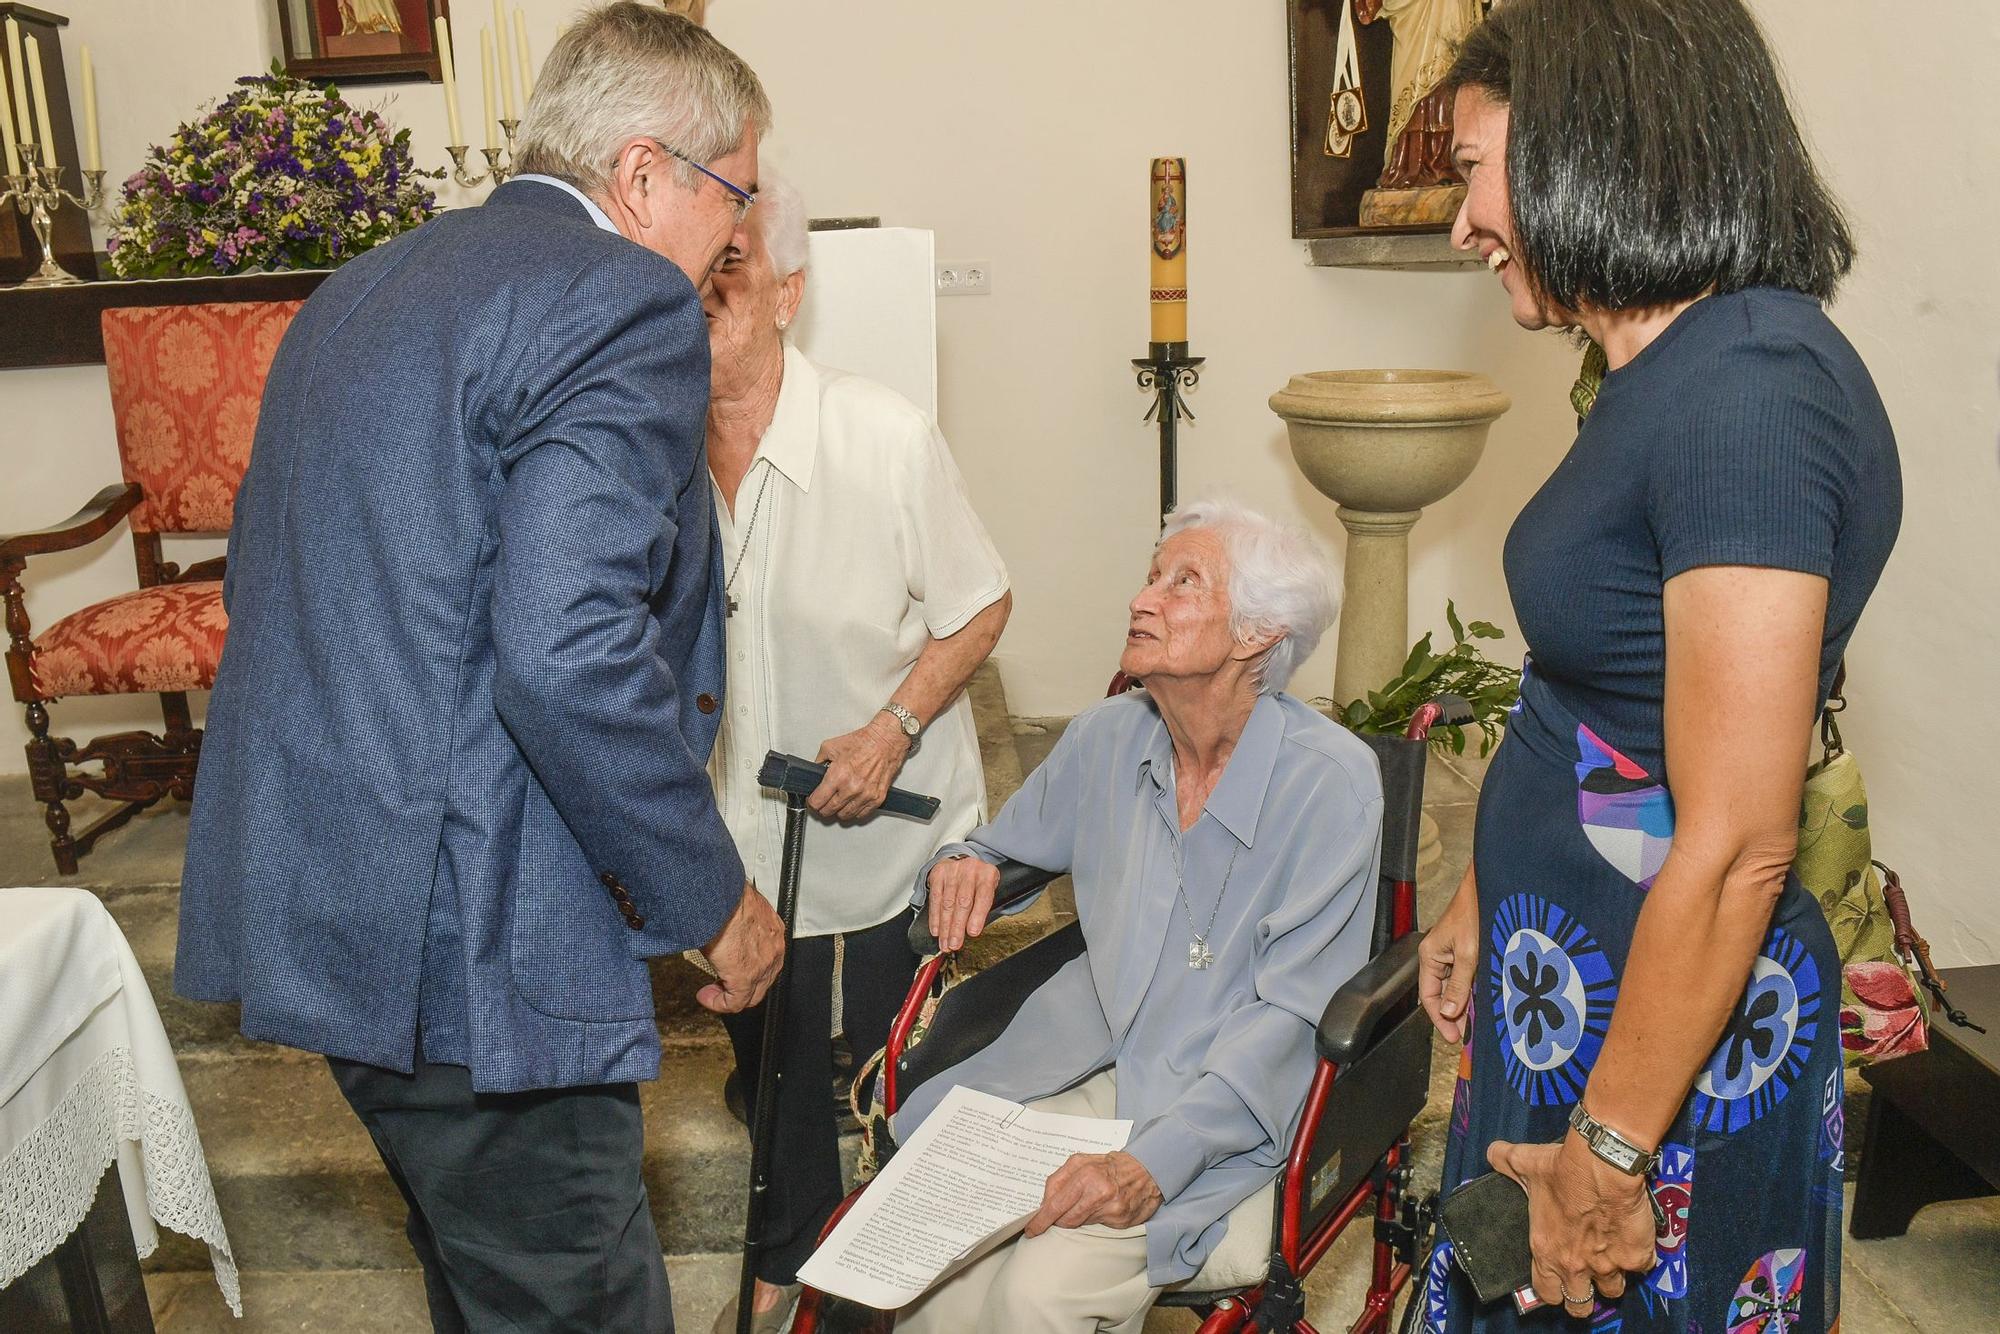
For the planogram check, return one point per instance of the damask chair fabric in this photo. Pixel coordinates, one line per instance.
(185, 386)
(164, 638)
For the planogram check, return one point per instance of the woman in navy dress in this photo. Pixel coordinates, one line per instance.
(1629, 941)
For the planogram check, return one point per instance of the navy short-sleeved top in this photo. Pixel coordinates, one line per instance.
(1747, 433)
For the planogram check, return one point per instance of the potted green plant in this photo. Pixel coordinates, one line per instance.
(1461, 670)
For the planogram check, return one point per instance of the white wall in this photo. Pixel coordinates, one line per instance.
(1021, 135)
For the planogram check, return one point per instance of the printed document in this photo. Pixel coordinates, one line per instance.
(970, 1177)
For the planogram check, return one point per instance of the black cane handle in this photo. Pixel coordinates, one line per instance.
(797, 777)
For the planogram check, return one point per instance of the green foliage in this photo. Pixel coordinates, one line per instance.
(1460, 670)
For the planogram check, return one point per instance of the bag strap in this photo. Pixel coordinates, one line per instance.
(1836, 702)
(1916, 951)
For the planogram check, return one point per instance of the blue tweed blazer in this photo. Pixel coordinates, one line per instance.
(453, 791)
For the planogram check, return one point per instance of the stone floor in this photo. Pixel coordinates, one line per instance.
(317, 1226)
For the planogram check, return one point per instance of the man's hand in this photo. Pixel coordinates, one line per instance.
(961, 894)
(1114, 1189)
(746, 955)
(860, 766)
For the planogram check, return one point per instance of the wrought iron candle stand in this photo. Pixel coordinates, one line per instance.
(499, 161)
(1168, 372)
(38, 192)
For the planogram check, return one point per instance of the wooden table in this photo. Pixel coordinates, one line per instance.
(1932, 1133)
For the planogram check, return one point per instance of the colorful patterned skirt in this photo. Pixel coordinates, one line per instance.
(1570, 835)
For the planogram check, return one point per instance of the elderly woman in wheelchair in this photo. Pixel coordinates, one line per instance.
(1223, 840)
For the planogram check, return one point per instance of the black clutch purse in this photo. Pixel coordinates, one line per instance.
(1486, 1222)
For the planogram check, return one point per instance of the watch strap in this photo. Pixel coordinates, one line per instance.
(1610, 1146)
(906, 720)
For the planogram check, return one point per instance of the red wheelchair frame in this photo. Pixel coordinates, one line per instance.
(1370, 1081)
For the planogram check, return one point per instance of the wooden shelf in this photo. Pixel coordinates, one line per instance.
(58, 326)
(1389, 250)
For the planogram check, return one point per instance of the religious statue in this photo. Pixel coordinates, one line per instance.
(369, 16)
(1427, 34)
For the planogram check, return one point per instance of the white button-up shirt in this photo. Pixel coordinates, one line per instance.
(864, 549)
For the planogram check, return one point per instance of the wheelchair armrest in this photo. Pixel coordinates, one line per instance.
(1379, 991)
(1018, 880)
(93, 521)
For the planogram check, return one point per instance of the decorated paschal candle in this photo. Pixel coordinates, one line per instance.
(1167, 221)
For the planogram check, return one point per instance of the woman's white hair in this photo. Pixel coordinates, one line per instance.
(780, 216)
(1280, 583)
(628, 70)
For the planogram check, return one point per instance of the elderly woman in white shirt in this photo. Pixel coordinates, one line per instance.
(1224, 840)
(863, 592)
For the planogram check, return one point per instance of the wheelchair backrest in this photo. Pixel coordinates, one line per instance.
(977, 1010)
(1402, 764)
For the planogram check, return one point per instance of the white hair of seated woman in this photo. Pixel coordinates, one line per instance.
(1280, 582)
(780, 215)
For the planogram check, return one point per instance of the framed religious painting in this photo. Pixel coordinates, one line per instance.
(1371, 130)
(356, 41)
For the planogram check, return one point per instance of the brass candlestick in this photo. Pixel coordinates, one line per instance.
(499, 161)
(37, 191)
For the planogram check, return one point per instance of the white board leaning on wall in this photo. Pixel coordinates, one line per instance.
(871, 307)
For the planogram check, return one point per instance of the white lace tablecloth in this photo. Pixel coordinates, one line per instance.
(87, 1079)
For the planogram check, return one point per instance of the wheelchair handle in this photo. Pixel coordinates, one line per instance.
(1443, 711)
(796, 777)
(1018, 880)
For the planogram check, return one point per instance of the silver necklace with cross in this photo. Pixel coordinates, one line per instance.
(749, 531)
(1199, 955)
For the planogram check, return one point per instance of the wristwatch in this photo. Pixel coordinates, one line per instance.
(1611, 1146)
(905, 720)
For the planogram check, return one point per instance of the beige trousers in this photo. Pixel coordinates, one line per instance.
(1066, 1281)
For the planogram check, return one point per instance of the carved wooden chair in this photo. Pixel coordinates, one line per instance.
(186, 382)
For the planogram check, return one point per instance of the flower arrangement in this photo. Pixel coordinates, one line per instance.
(280, 174)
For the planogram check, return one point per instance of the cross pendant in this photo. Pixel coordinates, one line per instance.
(732, 605)
(1198, 954)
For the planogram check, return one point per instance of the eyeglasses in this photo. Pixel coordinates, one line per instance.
(742, 199)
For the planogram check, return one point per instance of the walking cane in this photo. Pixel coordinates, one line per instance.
(796, 778)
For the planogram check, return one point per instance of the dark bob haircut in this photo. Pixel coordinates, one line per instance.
(1651, 155)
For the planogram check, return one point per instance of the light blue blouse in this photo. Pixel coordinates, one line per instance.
(1213, 1064)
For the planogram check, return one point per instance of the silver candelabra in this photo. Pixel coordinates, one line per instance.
(499, 161)
(38, 192)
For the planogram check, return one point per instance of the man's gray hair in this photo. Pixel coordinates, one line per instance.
(1280, 582)
(780, 216)
(632, 70)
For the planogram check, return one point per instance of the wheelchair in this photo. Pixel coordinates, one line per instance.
(1351, 1156)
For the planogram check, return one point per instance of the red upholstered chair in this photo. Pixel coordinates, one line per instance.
(186, 382)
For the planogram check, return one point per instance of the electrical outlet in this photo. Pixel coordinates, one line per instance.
(965, 277)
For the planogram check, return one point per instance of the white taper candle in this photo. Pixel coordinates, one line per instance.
(32, 53)
(505, 63)
(7, 135)
(18, 76)
(450, 75)
(527, 63)
(486, 84)
(93, 154)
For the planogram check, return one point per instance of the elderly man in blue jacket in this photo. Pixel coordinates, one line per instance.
(453, 793)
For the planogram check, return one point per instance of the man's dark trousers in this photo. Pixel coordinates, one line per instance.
(527, 1210)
